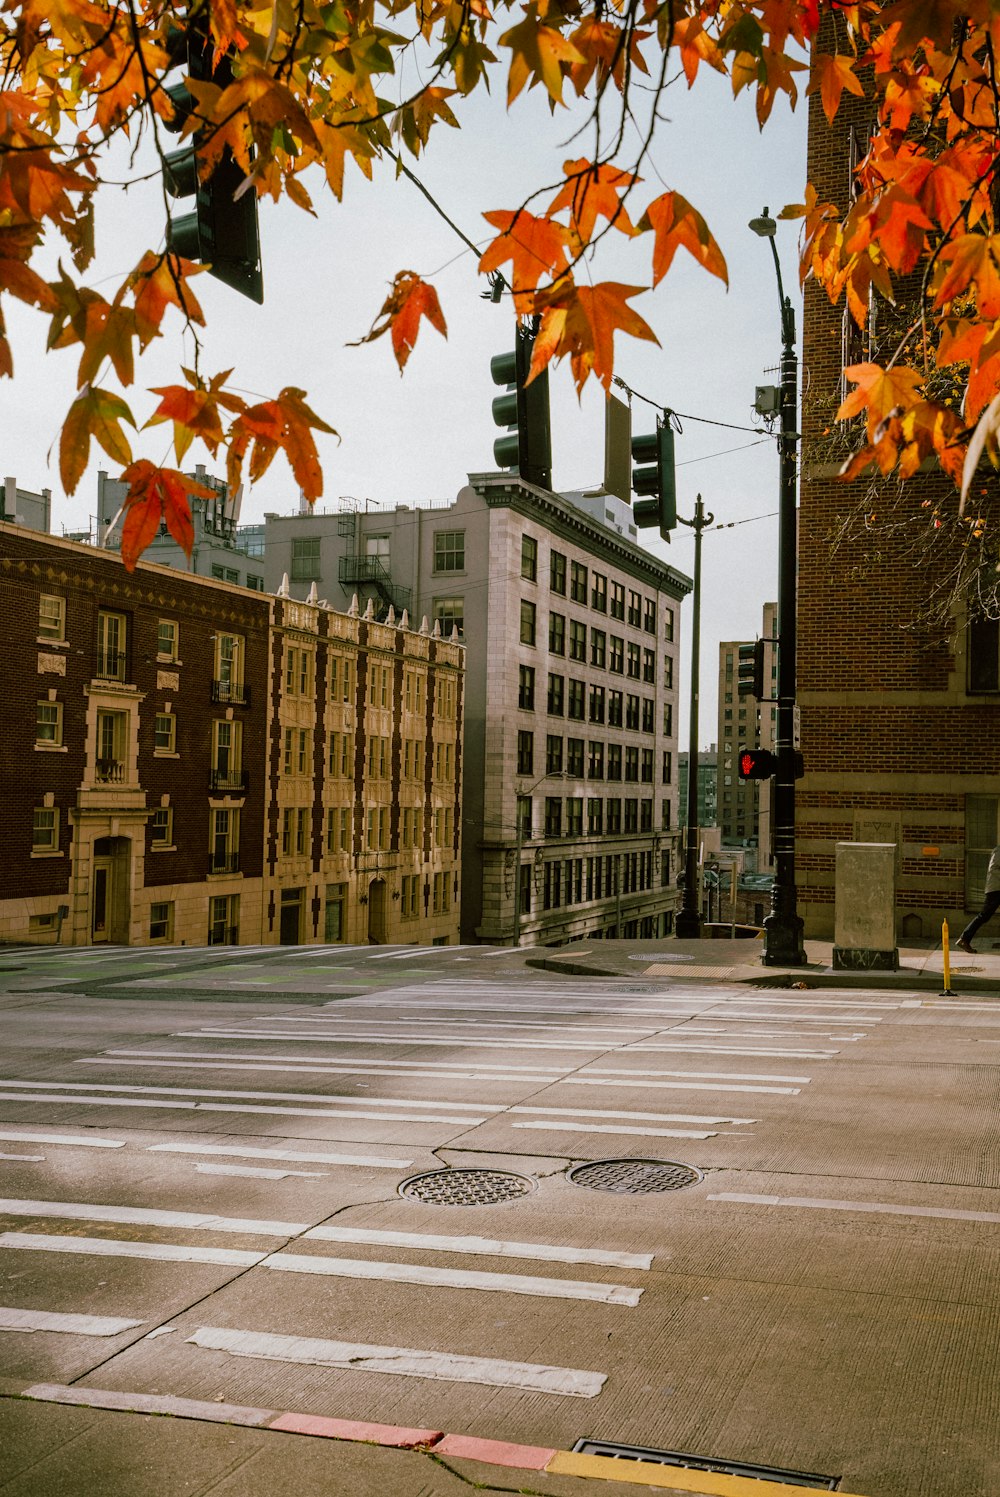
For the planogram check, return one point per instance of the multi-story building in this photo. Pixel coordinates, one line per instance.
(708, 786)
(571, 633)
(186, 761)
(744, 806)
(22, 507)
(898, 707)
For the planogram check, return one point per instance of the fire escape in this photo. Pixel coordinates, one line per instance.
(358, 570)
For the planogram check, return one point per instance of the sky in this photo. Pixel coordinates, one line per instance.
(413, 438)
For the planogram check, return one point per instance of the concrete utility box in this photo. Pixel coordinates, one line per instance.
(865, 910)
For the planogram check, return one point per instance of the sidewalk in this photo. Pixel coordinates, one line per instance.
(920, 968)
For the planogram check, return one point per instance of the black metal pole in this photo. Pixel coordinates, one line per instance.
(689, 915)
(783, 926)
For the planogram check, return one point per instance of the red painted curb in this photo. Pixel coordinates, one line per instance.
(495, 1452)
(354, 1429)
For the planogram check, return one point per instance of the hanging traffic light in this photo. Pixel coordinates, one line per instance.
(750, 671)
(221, 231)
(657, 480)
(756, 764)
(524, 410)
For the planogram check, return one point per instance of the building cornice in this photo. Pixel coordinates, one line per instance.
(508, 491)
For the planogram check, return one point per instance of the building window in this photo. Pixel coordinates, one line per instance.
(527, 622)
(578, 582)
(617, 662)
(161, 827)
(165, 733)
(335, 914)
(577, 640)
(557, 573)
(523, 816)
(224, 840)
(574, 817)
(450, 614)
(632, 713)
(595, 761)
(45, 829)
(337, 829)
(982, 818)
(615, 704)
(305, 558)
(111, 635)
(525, 753)
(668, 719)
(595, 816)
(161, 922)
(224, 920)
(552, 886)
(631, 816)
(614, 761)
(648, 715)
(983, 656)
(649, 615)
(225, 574)
(668, 625)
(227, 756)
(449, 551)
(342, 679)
(529, 558)
(634, 658)
(668, 671)
(166, 640)
(634, 609)
(441, 897)
(614, 815)
(646, 767)
(110, 757)
(553, 754)
(618, 600)
(255, 583)
(598, 647)
(49, 724)
(632, 764)
(574, 758)
(553, 816)
(295, 760)
(557, 634)
(646, 821)
(556, 695)
(649, 665)
(409, 896)
(227, 685)
(667, 772)
(299, 671)
(524, 889)
(599, 592)
(597, 704)
(575, 701)
(526, 687)
(51, 617)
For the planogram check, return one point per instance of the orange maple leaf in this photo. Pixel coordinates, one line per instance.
(159, 282)
(284, 423)
(591, 190)
(536, 246)
(831, 74)
(16, 245)
(157, 496)
(408, 301)
(195, 410)
(94, 413)
(540, 54)
(581, 321)
(882, 393)
(677, 225)
(971, 260)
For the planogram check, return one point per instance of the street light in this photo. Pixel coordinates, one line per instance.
(783, 926)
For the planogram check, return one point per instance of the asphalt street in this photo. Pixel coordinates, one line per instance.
(284, 1196)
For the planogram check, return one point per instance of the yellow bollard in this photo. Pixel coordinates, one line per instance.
(946, 991)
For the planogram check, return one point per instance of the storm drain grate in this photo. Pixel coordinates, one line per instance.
(702, 1463)
(466, 1187)
(635, 1176)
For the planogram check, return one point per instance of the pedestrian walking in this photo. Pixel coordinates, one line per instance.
(991, 903)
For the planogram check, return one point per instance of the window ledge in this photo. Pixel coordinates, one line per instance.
(168, 660)
(47, 853)
(163, 847)
(51, 644)
(165, 754)
(51, 748)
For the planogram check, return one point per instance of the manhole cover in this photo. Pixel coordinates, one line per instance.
(635, 1176)
(466, 1187)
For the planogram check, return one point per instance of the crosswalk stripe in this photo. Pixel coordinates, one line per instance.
(453, 1042)
(493, 1372)
(138, 1216)
(352, 1067)
(609, 1128)
(296, 1156)
(494, 1247)
(681, 1086)
(248, 1171)
(879, 1208)
(109, 1247)
(21, 1136)
(307, 1066)
(75, 1325)
(454, 1278)
(341, 1114)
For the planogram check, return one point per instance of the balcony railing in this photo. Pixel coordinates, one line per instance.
(228, 779)
(110, 772)
(236, 692)
(224, 862)
(111, 665)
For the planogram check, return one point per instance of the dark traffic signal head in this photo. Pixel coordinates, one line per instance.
(655, 480)
(756, 764)
(750, 673)
(524, 410)
(221, 230)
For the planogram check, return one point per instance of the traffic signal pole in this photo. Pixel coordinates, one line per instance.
(689, 915)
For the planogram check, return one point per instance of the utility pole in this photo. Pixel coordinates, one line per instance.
(689, 915)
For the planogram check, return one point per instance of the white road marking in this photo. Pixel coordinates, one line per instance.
(149, 1403)
(494, 1247)
(404, 1361)
(137, 1216)
(307, 1066)
(608, 1128)
(301, 1112)
(635, 1117)
(296, 1156)
(685, 1086)
(258, 1174)
(769, 1034)
(454, 1042)
(108, 1247)
(943, 1213)
(21, 1137)
(658, 1048)
(426, 1019)
(74, 1325)
(702, 1075)
(26, 1158)
(454, 1278)
(463, 1068)
(351, 1103)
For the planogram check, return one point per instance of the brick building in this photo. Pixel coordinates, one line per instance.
(898, 718)
(185, 761)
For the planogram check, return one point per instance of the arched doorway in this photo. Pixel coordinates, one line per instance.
(376, 911)
(109, 891)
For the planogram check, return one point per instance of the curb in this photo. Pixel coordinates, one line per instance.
(423, 1441)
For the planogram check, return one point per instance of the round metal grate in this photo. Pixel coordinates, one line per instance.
(466, 1187)
(635, 1176)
